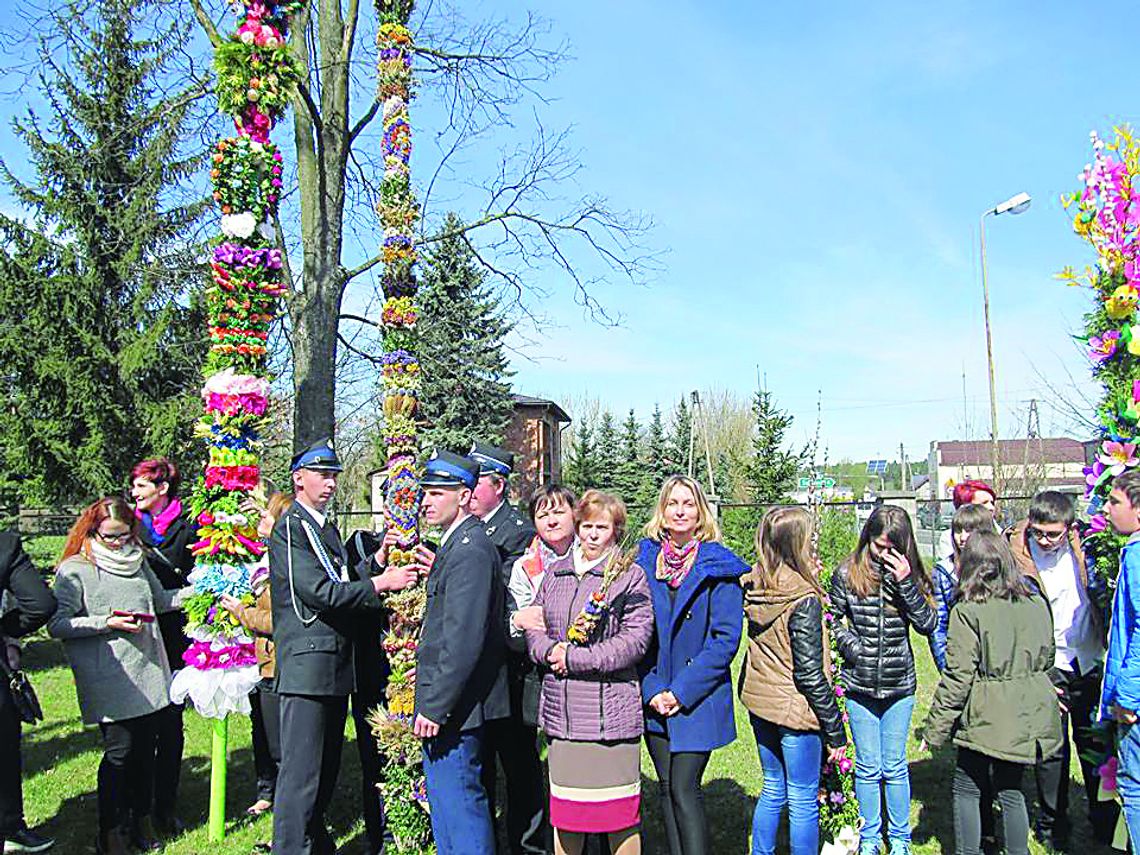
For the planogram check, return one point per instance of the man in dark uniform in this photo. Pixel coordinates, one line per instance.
(460, 678)
(26, 604)
(510, 739)
(318, 600)
(371, 680)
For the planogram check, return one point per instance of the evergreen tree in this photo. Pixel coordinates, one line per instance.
(655, 463)
(627, 475)
(772, 471)
(677, 446)
(581, 470)
(608, 452)
(466, 392)
(101, 334)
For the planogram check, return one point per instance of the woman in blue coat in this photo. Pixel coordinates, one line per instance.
(698, 606)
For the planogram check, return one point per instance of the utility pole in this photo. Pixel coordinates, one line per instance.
(965, 409)
(902, 467)
(698, 420)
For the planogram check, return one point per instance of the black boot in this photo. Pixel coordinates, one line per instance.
(143, 836)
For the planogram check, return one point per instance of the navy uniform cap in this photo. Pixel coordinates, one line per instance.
(447, 469)
(492, 460)
(320, 457)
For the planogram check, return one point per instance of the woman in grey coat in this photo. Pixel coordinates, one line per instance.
(598, 626)
(108, 601)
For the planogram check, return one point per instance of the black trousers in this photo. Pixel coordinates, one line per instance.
(127, 770)
(171, 738)
(972, 778)
(168, 759)
(682, 805)
(11, 766)
(312, 736)
(516, 747)
(371, 767)
(1082, 697)
(265, 722)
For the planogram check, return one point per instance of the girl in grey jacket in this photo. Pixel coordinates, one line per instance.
(108, 601)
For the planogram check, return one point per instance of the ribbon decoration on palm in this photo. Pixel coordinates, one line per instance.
(256, 78)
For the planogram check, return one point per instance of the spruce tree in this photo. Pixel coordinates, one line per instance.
(101, 341)
(772, 471)
(655, 466)
(627, 476)
(608, 452)
(677, 446)
(580, 471)
(466, 391)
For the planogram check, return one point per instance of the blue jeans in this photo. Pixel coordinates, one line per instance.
(790, 762)
(460, 815)
(879, 729)
(1128, 779)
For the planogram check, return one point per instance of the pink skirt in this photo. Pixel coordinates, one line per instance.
(595, 786)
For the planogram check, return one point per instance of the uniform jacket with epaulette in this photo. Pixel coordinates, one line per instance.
(318, 604)
(511, 533)
(460, 674)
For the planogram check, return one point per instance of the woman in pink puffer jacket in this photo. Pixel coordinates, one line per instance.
(599, 623)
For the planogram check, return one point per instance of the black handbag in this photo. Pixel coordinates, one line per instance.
(23, 695)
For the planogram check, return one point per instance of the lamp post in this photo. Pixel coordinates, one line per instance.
(1013, 205)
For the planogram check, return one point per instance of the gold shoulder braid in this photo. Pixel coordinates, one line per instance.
(588, 619)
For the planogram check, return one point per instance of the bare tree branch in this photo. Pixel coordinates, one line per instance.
(207, 24)
(376, 360)
(364, 121)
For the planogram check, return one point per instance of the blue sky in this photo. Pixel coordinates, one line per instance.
(816, 172)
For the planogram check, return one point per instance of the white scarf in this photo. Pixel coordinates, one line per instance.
(124, 561)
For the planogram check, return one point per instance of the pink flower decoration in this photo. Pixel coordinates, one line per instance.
(1118, 456)
(1107, 773)
(845, 765)
(1097, 524)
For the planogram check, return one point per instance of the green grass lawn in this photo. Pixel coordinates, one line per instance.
(61, 757)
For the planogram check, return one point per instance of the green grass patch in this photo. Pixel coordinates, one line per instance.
(61, 758)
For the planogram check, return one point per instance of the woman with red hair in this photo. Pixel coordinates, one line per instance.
(166, 533)
(108, 599)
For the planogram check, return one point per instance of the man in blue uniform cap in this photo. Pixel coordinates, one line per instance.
(511, 740)
(318, 600)
(460, 679)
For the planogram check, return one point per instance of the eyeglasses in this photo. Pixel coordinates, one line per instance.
(113, 538)
(1049, 536)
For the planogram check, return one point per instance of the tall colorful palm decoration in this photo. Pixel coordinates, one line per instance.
(403, 786)
(256, 79)
(1107, 215)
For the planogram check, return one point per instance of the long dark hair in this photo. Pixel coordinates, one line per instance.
(987, 570)
(894, 522)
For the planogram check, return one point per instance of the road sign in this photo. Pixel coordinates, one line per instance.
(824, 483)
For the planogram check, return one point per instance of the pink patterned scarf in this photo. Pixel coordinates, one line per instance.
(673, 563)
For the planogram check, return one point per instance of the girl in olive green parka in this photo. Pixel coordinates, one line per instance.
(995, 698)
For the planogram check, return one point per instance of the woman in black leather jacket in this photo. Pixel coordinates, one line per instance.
(878, 595)
(784, 681)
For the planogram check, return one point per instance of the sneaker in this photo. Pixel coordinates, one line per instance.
(900, 847)
(26, 840)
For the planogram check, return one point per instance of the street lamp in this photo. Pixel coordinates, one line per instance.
(1013, 205)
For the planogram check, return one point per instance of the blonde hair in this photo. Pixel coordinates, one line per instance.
(278, 504)
(707, 528)
(784, 537)
(594, 502)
